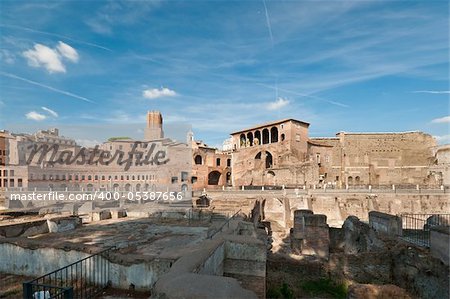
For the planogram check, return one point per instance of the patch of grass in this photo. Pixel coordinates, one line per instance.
(283, 292)
(325, 286)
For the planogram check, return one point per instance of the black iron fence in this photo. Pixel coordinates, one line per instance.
(416, 227)
(83, 279)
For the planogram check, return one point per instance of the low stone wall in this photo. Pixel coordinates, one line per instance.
(40, 261)
(385, 223)
(440, 243)
(41, 226)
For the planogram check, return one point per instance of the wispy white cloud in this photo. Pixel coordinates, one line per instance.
(269, 26)
(52, 112)
(441, 120)
(278, 104)
(57, 35)
(49, 58)
(67, 51)
(47, 87)
(7, 56)
(43, 56)
(155, 93)
(33, 115)
(433, 91)
(443, 139)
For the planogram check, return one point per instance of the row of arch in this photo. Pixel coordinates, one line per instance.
(350, 180)
(265, 136)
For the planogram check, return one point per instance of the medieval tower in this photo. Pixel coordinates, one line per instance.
(154, 129)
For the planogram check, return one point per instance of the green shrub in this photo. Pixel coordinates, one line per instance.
(325, 286)
(283, 292)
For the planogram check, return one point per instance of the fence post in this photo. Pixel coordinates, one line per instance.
(27, 290)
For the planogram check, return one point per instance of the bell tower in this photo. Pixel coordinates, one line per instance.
(154, 129)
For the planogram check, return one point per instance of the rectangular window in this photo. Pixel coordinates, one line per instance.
(11, 172)
(297, 137)
(5, 172)
(11, 182)
(19, 183)
(174, 179)
(184, 176)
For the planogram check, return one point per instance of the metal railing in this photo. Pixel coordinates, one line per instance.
(83, 279)
(416, 227)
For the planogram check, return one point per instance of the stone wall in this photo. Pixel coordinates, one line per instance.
(310, 234)
(385, 223)
(440, 243)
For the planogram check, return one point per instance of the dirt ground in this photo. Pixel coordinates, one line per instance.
(11, 285)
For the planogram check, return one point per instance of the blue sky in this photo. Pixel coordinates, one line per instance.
(226, 65)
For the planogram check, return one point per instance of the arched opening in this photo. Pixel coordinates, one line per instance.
(357, 180)
(283, 137)
(90, 187)
(258, 156)
(350, 180)
(269, 160)
(198, 160)
(127, 187)
(138, 187)
(274, 135)
(213, 178)
(265, 136)
(146, 187)
(257, 140)
(63, 187)
(249, 138)
(242, 140)
(116, 187)
(228, 177)
(270, 174)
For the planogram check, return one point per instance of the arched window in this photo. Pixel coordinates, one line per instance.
(198, 160)
(258, 156)
(229, 162)
(257, 140)
(350, 180)
(274, 135)
(242, 140)
(265, 136)
(213, 178)
(228, 178)
(269, 160)
(357, 180)
(250, 139)
(282, 137)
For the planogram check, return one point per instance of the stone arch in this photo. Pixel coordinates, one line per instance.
(269, 160)
(257, 139)
(250, 138)
(274, 134)
(90, 187)
(357, 180)
(265, 136)
(242, 140)
(350, 180)
(127, 187)
(214, 177)
(138, 187)
(198, 160)
(116, 187)
(258, 156)
(146, 187)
